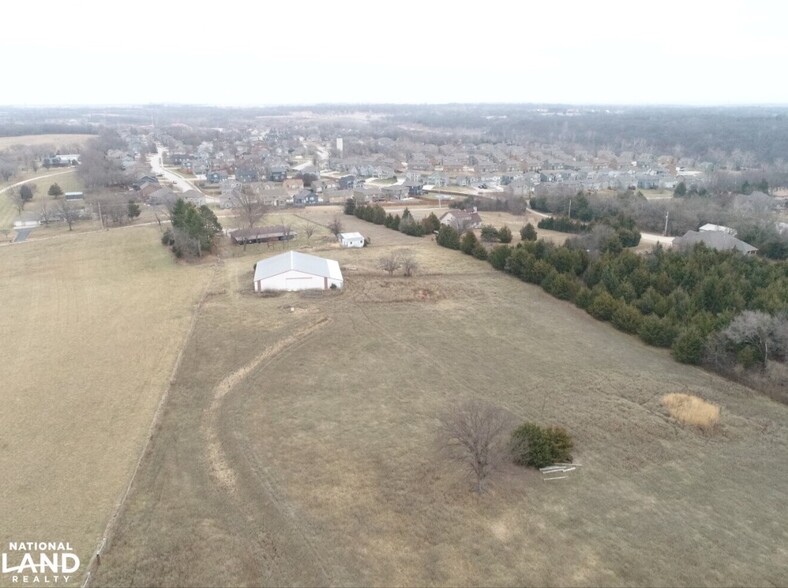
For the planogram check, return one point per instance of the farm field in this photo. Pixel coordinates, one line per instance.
(91, 327)
(297, 445)
(57, 140)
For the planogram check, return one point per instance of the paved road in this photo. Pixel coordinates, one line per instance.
(182, 183)
(21, 235)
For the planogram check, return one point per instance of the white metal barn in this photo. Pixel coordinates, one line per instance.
(351, 239)
(296, 271)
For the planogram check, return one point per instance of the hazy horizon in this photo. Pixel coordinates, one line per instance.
(608, 54)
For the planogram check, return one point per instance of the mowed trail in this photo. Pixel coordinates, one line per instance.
(91, 327)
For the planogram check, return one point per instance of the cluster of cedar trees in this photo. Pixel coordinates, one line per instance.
(404, 224)
(192, 231)
(667, 298)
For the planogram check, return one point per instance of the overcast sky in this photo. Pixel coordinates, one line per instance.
(259, 53)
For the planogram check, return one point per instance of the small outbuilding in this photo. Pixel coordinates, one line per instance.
(297, 271)
(351, 239)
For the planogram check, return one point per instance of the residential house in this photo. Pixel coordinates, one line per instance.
(216, 176)
(247, 175)
(461, 219)
(718, 240)
(305, 198)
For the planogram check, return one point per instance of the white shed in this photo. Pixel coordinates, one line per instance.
(351, 239)
(296, 271)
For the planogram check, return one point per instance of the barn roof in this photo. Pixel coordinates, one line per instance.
(293, 260)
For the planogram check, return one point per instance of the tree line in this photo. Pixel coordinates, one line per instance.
(405, 224)
(751, 215)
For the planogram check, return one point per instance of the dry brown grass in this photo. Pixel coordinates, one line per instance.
(330, 444)
(91, 326)
(53, 139)
(691, 410)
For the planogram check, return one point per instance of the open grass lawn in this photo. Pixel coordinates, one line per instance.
(68, 180)
(57, 140)
(91, 327)
(297, 445)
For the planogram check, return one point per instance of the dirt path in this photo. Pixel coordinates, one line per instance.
(199, 510)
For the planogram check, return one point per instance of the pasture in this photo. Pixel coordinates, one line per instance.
(91, 325)
(297, 446)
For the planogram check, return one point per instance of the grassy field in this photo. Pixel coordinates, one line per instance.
(68, 180)
(55, 139)
(297, 446)
(91, 328)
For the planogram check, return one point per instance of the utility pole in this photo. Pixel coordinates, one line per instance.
(570, 208)
(667, 214)
(101, 218)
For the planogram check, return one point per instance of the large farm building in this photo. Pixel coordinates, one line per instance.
(296, 271)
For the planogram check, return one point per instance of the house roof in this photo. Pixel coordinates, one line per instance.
(713, 227)
(351, 236)
(192, 194)
(714, 239)
(293, 260)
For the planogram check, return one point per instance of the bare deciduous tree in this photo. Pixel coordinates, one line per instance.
(16, 199)
(249, 208)
(46, 213)
(766, 333)
(309, 230)
(390, 263)
(474, 433)
(68, 212)
(335, 226)
(409, 265)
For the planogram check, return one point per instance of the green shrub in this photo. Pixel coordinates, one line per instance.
(656, 331)
(489, 233)
(480, 251)
(688, 347)
(448, 237)
(583, 298)
(505, 234)
(560, 285)
(468, 242)
(539, 447)
(603, 306)
(627, 318)
(498, 256)
(528, 233)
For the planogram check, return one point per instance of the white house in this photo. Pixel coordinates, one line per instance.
(296, 271)
(351, 239)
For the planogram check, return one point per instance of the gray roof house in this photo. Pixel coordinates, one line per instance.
(715, 240)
